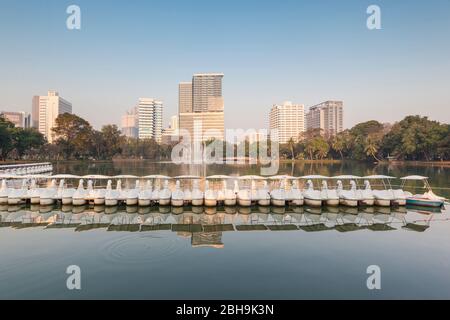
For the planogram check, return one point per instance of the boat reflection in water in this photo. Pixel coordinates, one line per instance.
(205, 225)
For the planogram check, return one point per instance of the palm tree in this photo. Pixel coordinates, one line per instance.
(371, 147)
(291, 144)
(338, 145)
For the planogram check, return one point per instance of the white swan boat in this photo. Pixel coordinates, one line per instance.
(79, 196)
(112, 196)
(4, 192)
(197, 194)
(132, 195)
(244, 195)
(264, 195)
(295, 195)
(329, 196)
(165, 195)
(210, 196)
(366, 195)
(145, 195)
(278, 195)
(385, 197)
(17, 196)
(48, 195)
(349, 198)
(177, 199)
(312, 198)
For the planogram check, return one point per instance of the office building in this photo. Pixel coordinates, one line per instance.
(201, 107)
(129, 124)
(289, 120)
(327, 116)
(149, 119)
(171, 134)
(45, 110)
(20, 119)
(185, 97)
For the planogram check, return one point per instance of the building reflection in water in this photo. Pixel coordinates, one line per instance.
(205, 226)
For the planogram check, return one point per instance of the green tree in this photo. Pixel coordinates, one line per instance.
(6, 138)
(417, 138)
(25, 140)
(291, 144)
(359, 134)
(321, 147)
(74, 135)
(338, 144)
(371, 146)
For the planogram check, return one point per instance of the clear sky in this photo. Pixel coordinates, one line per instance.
(269, 51)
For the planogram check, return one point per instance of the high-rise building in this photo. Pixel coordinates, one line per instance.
(289, 120)
(149, 117)
(45, 110)
(171, 134)
(129, 124)
(20, 119)
(185, 97)
(201, 107)
(174, 123)
(327, 116)
(207, 92)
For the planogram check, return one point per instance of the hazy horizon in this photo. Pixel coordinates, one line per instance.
(269, 51)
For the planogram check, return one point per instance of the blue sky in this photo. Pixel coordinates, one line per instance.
(269, 51)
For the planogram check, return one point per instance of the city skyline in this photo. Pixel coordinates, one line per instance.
(380, 74)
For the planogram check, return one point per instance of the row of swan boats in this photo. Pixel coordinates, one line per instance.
(26, 169)
(215, 190)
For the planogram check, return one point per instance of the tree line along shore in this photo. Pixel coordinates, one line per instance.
(414, 138)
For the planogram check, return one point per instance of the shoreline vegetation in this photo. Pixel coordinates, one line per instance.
(414, 139)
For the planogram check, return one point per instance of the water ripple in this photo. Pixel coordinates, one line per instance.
(139, 248)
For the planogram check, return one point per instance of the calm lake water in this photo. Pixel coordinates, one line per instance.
(227, 253)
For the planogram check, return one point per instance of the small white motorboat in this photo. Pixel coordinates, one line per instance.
(165, 195)
(79, 196)
(427, 199)
(330, 196)
(210, 196)
(47, 196)
(312, 198)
